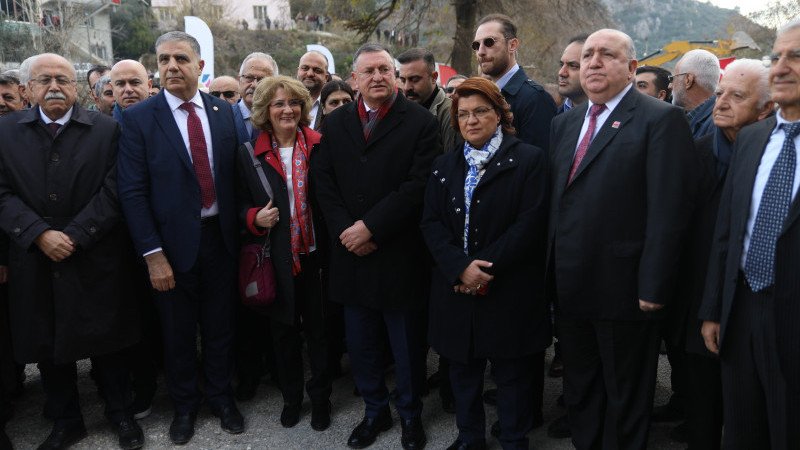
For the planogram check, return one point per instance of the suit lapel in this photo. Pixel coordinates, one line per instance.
(214, 124)
(352, 123)
(752, 152)
(566, 150)
(617, 120)
(166, 121)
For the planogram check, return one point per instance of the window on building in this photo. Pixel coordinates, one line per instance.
(165, 14)
(260, 12)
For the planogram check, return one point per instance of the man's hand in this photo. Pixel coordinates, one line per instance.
(3, 274)
(649, 307)
(56, 245)
(710, 332)
(473, 278)
(366, 248)
(267, 217)
(354, 237)
(160, 271)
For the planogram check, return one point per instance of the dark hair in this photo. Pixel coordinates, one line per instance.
(579, 38)
(456, 77)
(370, 47)
(509, 29)
(490, 91)
(101, 69)
(662, 78)
(416, 54)
(334, 86)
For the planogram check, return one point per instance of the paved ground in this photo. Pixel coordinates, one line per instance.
(29, 427)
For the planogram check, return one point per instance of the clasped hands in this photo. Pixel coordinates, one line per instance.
(56, 245)
(358, 239)
(473, 278)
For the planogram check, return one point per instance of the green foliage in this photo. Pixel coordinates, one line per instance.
(15, 40)
(134, 30)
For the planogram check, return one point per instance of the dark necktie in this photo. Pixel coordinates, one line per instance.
(197, 144)
(53, 127)
(594, 111)
(371, 115)
(759, 267)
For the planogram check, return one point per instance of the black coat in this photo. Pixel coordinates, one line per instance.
(250, 194)
(382, 183)
(81, 306)
(508, 225)
(617, 230)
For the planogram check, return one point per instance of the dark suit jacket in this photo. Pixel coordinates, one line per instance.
(533, 109)
(724, 263)
(382, 183)
(616, 231)
(508, 222)
(158, 187)
(238, 120)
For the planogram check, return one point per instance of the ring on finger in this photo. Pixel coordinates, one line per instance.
(469, 290)
(480, 286)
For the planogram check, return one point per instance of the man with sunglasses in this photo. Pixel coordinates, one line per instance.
(693, 85)
(226, 88)
(495, 47)
(255, 67)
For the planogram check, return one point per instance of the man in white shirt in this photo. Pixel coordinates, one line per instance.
(313, 73)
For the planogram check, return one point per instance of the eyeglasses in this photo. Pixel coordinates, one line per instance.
(250, 79)
(46, 80)
(383, 71)
(488, 43)
(671, 78)
(450, 90)
(479, 113)
(292, 104)
(227, 94)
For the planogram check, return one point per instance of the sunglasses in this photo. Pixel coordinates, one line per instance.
(227, 94)
(488, 43)
(671, 78)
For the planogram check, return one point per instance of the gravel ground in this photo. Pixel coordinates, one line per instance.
(29, 428)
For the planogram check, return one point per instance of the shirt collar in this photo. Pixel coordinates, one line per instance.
(246, 113)
(611, 104)
(61, 121)
(175, 103)
(568, 104)
(779, 120)
(501, 83)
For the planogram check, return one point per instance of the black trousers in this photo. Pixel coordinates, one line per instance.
(309, 320)
(514, 379)
(704, 402)
(60, 382)
(145, 355)
(204, 295)
(253, 346)
(753, 388)
(673, 333)
(609, 381)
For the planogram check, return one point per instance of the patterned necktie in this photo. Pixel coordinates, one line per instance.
(759, 267)
(197, 144)
(594, 111)
(372, 114)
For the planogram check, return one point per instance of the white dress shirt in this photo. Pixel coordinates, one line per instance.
(314, 108)
(602, 117)
(61, 121)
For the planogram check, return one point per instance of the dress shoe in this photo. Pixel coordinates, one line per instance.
(490, 397)
(63, 436)
(459, 445)
(230, 419)
(246, 389)
(559, 428)
(365, 433)
(290, 415)
(320, 416)
(182, 428)
(130, 434)
(413, 437)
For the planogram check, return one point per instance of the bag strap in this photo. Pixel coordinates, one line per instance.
(265, 250)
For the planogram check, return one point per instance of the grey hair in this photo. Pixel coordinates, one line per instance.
(25, 70)
(757, 68)
(705, 67)
(179, 36)
(259, 55)
(370, 47)
(100, 84)
(788, 27)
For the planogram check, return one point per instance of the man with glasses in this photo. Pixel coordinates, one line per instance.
(226, 88)
(495, 47)
(371, 170)
(69, 290)
(255, 67)
(313, 73)
(693, 85)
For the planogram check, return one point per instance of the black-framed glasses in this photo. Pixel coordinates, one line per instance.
(227, 94)
(488, 43)
(671, 78)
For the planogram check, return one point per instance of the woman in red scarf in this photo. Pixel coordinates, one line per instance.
(287, 218)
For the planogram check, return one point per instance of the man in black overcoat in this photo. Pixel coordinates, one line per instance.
(622, 184)
(67, 282)
(370, 172)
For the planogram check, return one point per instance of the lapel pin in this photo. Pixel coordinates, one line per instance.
(613, 125)
(217, 109)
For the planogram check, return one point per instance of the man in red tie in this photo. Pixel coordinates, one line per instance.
(177, 191)
(622, 186)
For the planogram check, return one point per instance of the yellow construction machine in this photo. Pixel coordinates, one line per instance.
(720, 48)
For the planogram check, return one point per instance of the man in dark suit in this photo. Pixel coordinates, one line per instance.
(69, 295)
(750, 307)
(255, 67)
(370, 174)
(313, 73)
(622, 179)
(176, 168)
(569, 75)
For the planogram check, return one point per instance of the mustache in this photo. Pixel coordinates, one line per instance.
(55, 96)
(249, 91)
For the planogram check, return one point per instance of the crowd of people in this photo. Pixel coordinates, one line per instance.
(480, 217)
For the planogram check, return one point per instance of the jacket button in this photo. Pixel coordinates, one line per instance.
(92, 230)
(477, 201)
(53, 197)
(17, 230)
(54, 157)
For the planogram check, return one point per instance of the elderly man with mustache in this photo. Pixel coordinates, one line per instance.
(255, 67)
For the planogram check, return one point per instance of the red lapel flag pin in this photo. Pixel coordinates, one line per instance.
(615, 124)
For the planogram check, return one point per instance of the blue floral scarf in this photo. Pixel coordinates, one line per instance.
(477, 160)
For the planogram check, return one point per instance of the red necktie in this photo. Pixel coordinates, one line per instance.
(594, 111)
(197, 144)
